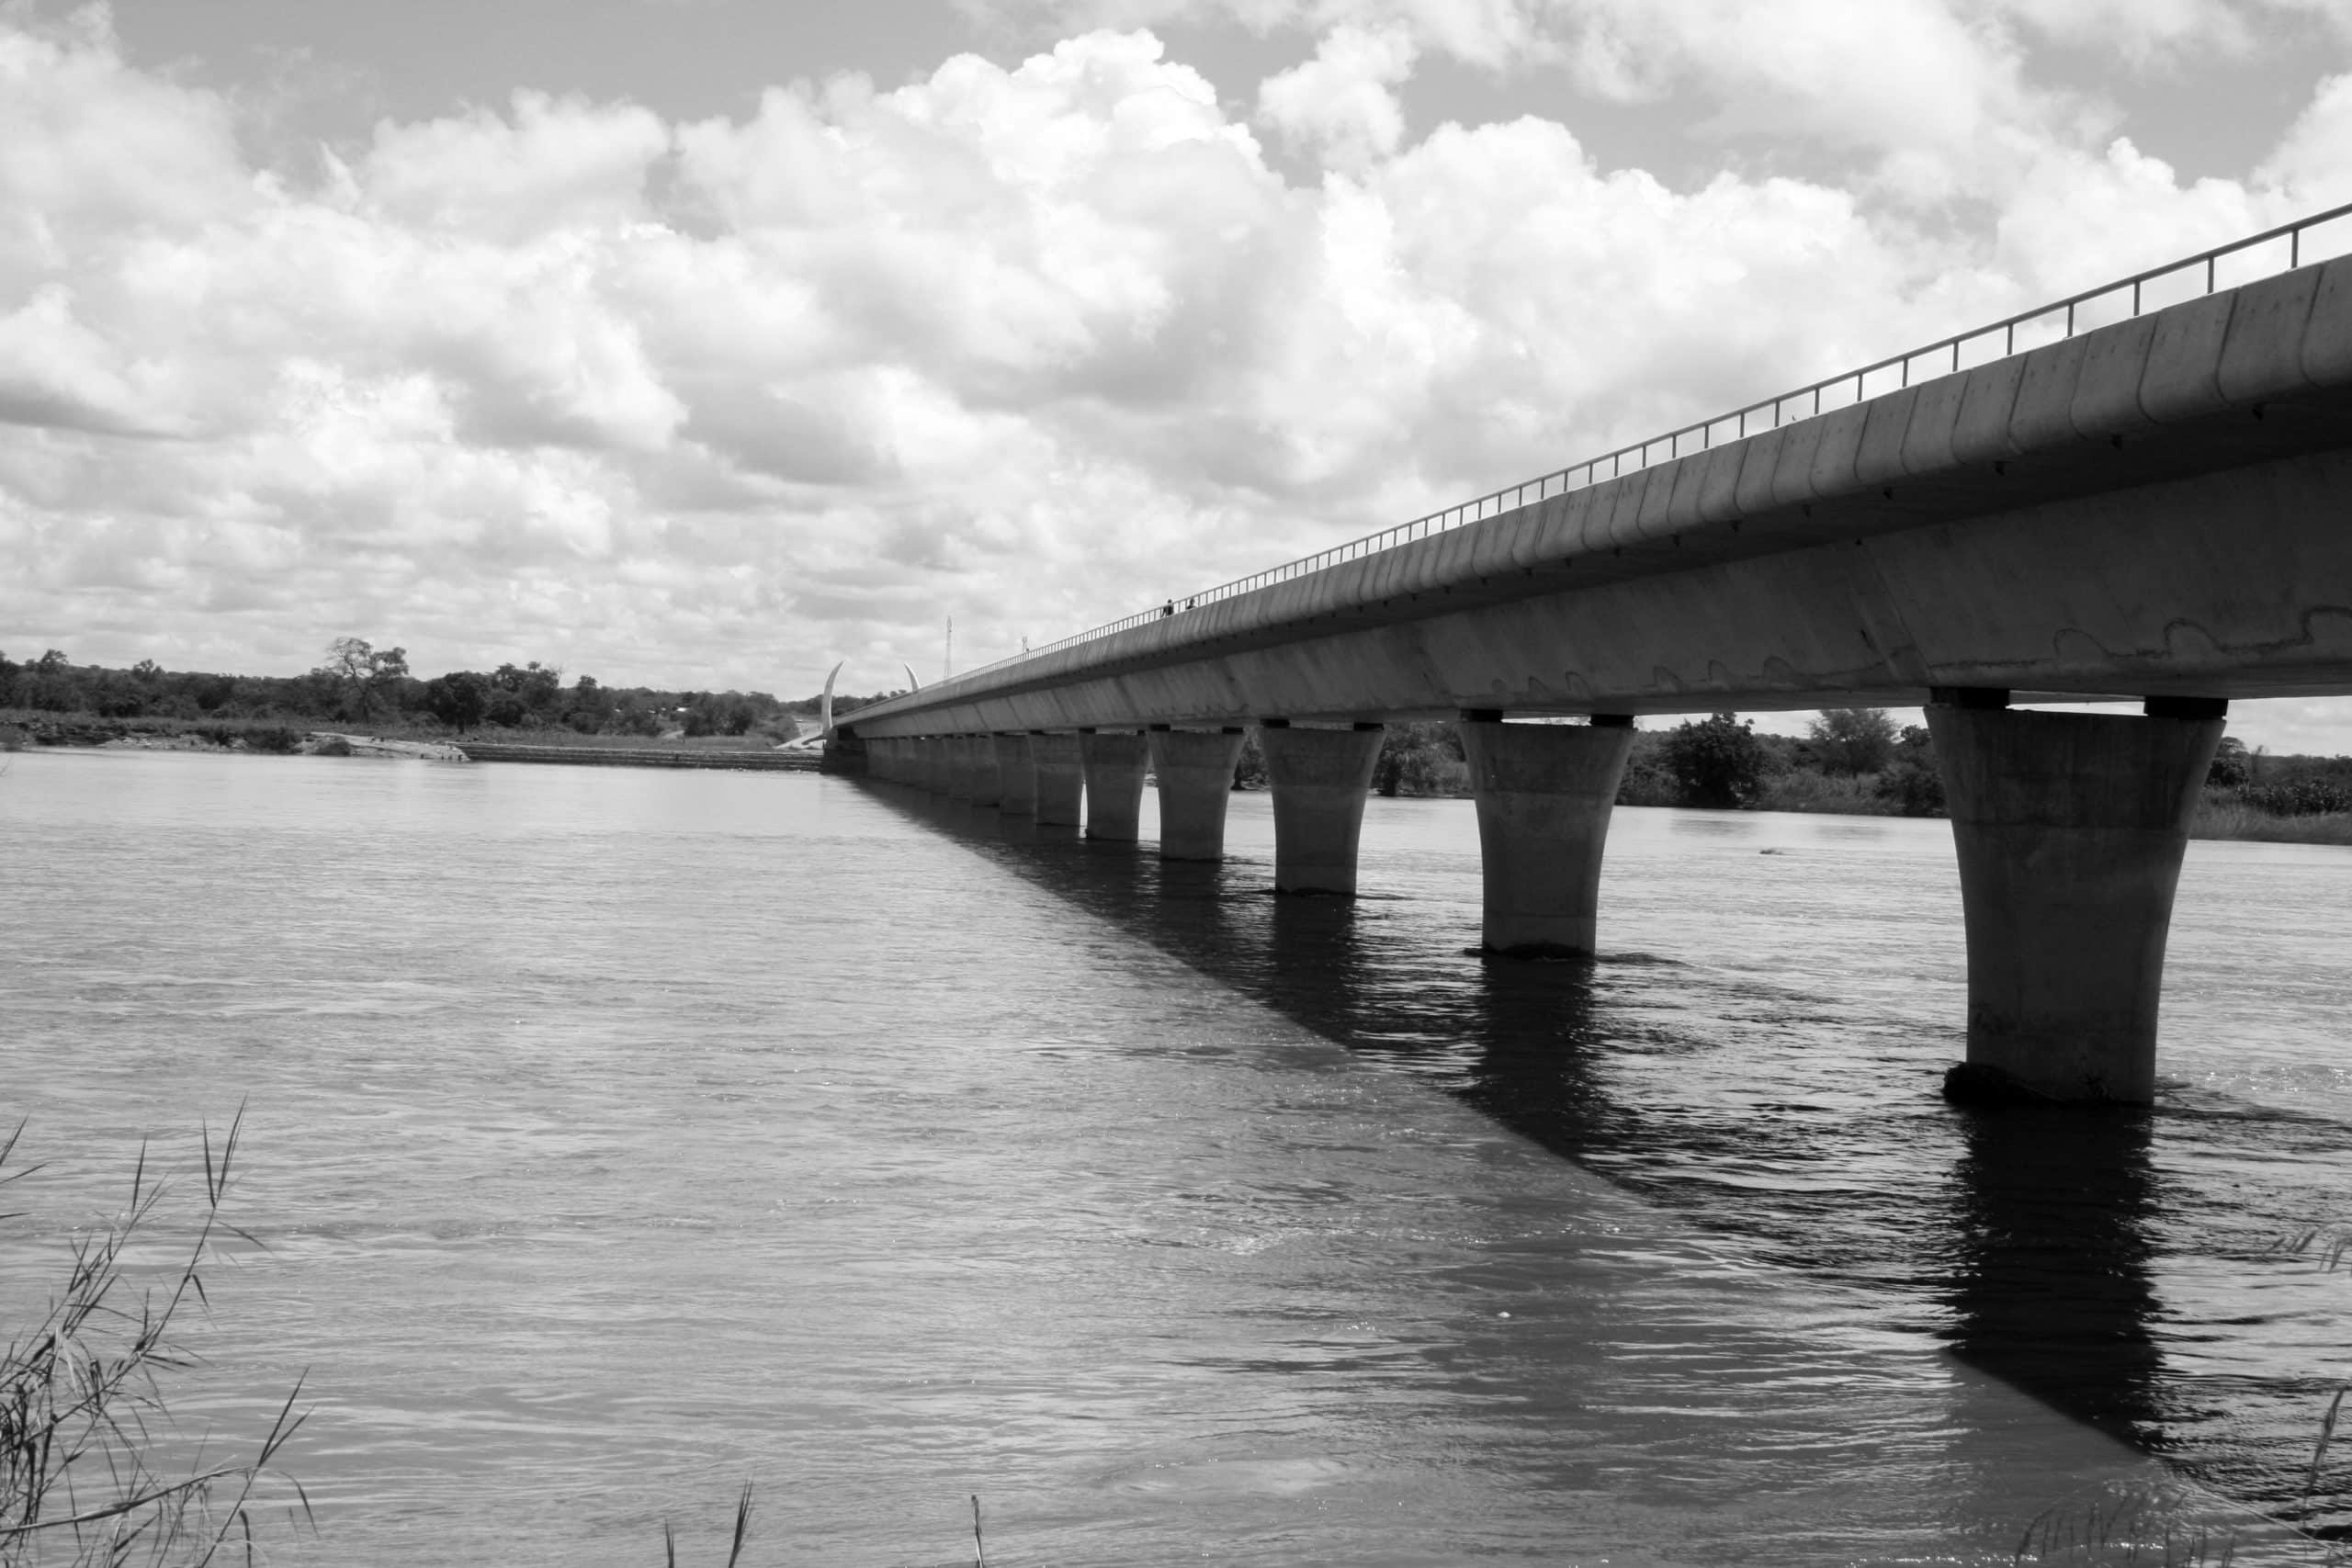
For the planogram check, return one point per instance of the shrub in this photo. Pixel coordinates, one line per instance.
(275, 738)
(2307, 797)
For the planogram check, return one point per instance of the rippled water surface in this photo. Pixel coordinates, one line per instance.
(617, 1137)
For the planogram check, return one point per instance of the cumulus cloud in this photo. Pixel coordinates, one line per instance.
(1339, 103)
(554, 164)
(716, 402)
(2313, 164)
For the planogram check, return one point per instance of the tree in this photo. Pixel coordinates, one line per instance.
(592, 707)
(1911, 779)
(1717, 762)
(534, 692)
(1853, 741)
(360, 672)
(2230, 769)
(1419, 758)
(458, 699)
(49, 684)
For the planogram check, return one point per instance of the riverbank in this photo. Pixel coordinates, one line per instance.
(269, 737)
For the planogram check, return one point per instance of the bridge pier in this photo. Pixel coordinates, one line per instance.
(1016, 779)
(1544, 791)
(933, 773)
(1114, 763)
(1061, 778)
(2070, 829)
(988, 789)
(963, 777)
(1195, 771)
(1320, 778)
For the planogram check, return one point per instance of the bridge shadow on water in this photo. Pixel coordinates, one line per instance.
(2026, 1238)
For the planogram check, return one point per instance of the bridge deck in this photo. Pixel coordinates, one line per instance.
(2163, 504)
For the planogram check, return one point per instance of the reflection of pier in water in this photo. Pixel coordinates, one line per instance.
(2024, 1237)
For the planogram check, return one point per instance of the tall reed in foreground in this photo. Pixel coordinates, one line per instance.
(83, 1417)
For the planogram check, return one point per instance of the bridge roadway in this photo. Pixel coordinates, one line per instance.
(2158, 509)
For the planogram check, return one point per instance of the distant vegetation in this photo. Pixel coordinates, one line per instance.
(1853, 760)
(359, 685)
(1849, 760)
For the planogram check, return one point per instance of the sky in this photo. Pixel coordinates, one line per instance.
(706, 343)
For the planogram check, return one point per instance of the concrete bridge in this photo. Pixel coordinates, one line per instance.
(2143, 492)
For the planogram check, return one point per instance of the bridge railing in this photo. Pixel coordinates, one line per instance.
(2266, 255)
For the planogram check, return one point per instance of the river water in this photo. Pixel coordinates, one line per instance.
(619, 1137)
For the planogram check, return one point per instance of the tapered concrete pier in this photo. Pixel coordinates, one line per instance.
(1115, 764)
(1319, 779)
(1195, 772)
(1061, 778)
(2070, 828)
(938, 768)
(987, 789)
(1544, 791)
(1016, 782)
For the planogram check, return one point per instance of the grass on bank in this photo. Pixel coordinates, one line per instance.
(2224, 816)
(83, 1417)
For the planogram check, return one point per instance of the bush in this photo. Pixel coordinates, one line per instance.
(273, 738)
(2307, 797)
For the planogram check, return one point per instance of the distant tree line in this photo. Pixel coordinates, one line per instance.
(360, 684)
(1851, 759)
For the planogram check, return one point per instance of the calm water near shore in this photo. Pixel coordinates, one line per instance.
(618, 1137)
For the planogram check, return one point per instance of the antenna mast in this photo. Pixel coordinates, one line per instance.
(947, 659)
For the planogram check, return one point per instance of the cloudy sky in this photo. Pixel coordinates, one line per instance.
(702, 343)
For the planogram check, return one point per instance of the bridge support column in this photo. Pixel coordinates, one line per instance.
(2070, 828)
(962, 775)
(1195, 771)
(988, 789)
(1016, 779)
(1061, 778)
(845, 753)
(936, 771)
(1320, 778)
(1544, 793)
(1114, 765)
